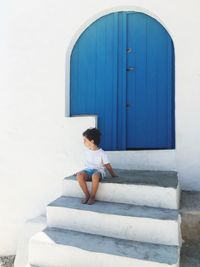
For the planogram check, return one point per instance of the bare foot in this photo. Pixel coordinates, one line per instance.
(85, 200)
(91, 200)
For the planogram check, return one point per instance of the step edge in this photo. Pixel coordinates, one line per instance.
(114, 203)
(70, 178)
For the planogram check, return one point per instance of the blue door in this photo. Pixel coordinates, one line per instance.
(122, 70)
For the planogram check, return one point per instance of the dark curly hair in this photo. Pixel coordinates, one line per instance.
(93, 134)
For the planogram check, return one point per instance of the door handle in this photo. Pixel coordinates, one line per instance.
(130, 69)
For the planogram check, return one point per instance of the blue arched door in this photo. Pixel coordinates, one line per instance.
(122, 70)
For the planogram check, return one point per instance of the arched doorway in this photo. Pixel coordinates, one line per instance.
(122, 70)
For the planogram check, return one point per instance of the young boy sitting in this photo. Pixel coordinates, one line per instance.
(96, 161)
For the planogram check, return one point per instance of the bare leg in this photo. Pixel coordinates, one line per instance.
(96, 177)
(81, 177)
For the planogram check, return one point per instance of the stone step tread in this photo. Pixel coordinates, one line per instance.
(108, 245)
(141, 177)
(116, 208)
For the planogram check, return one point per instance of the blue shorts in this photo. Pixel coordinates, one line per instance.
(90, 172)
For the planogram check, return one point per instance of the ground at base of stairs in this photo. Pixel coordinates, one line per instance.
(190, 256)
(7, 261)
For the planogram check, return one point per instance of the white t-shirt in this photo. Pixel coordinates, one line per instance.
(95, 159)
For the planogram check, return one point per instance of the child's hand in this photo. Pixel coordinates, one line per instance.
(110, 169)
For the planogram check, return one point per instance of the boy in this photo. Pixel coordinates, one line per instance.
(96, 161)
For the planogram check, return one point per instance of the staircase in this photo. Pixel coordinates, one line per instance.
(134, 222)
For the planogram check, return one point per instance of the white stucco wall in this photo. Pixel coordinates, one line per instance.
(38, 144)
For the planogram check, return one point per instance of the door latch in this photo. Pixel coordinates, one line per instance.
(129, 50)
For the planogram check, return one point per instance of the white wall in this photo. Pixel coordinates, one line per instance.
(38, 144)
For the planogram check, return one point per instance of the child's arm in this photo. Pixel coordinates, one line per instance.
(110, 169)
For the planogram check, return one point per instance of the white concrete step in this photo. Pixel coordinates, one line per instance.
(31, 227)
(149, 188)
(62, 248)
(126, 221)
